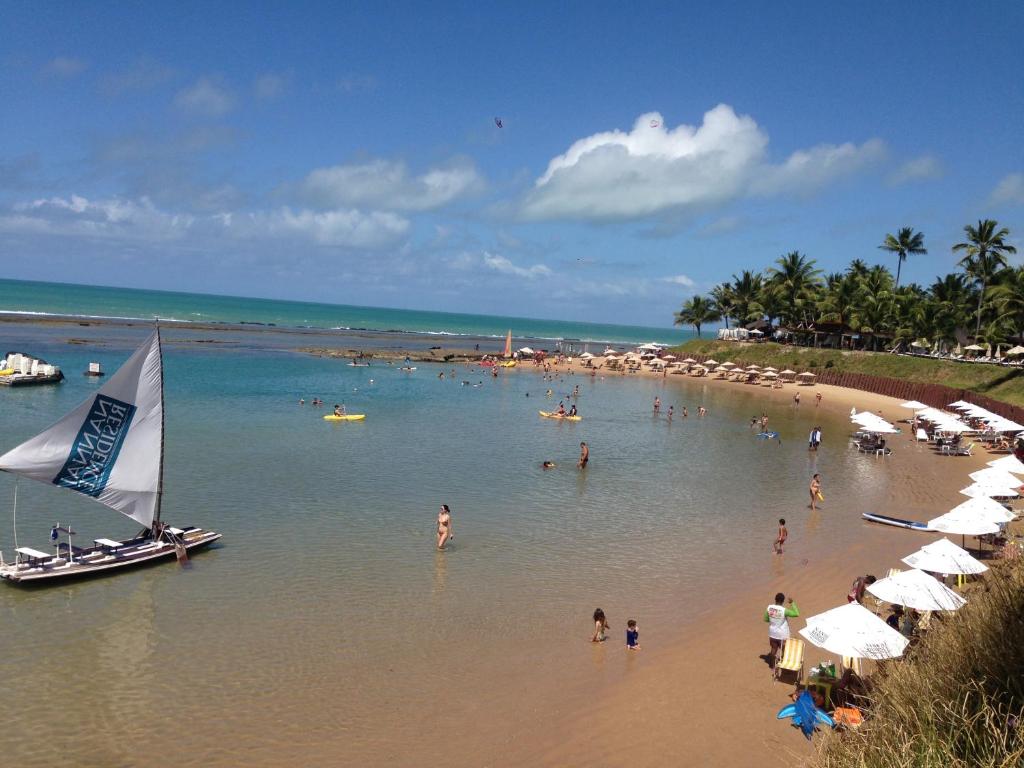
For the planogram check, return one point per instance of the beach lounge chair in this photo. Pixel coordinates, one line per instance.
(792, 659)
(922, 436)
(965, 450)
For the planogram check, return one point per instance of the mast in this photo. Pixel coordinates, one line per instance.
(160, 480)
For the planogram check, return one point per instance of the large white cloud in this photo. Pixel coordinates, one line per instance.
(652, 170)
(389, 184)
(142, 221)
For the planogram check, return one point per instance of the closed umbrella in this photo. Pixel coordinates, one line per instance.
(853, 630)
(916, 589)
(943, 556)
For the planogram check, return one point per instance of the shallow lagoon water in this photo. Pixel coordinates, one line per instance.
(326, 624)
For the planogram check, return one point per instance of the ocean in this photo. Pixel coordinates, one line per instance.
(59, 299)
(326, 628)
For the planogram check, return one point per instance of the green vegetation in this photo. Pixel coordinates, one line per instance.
(986, 297)
(956, 700)
(1005, 384)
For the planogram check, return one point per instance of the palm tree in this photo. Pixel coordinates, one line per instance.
(906, 242)
(696, 312)
(798, 278)
(1008, 297)
(841, 295)
(746, 290)
(986, 251)
(722, 296)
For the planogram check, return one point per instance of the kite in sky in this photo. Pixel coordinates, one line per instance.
(497, 122)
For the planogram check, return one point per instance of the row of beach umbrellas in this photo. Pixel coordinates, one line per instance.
(853, 630)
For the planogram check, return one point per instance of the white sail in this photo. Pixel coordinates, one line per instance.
(109, 448)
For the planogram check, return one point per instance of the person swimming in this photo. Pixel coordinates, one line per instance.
(547, 465)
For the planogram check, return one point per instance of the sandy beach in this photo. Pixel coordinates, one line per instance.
(705, 697)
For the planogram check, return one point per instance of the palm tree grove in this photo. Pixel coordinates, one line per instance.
(984, 302)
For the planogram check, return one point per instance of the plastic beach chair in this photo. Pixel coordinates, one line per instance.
(852, 663)
(792, 659)
(965, 451)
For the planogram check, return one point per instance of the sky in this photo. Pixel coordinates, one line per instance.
(351, 153)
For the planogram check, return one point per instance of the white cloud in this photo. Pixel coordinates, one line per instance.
(343, 228)
(207, 96)
(682, 280)
(387, 184)
(1009, 190)
(652, 170)
(269, 87)
(506, 267)
(917, 169)
(140, 220)
(64, 66)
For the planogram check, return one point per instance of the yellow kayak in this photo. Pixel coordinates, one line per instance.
(349, 417)
(548, 415)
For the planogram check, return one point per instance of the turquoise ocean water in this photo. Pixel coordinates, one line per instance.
(326, 629)
(101, 302)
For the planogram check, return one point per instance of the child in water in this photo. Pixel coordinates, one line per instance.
(600, 626)
(632, 636)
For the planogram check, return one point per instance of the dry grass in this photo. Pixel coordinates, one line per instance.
(954, 700)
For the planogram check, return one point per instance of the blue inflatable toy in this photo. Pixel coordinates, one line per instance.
(805, 714)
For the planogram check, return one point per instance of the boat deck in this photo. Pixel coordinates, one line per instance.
(105, 556)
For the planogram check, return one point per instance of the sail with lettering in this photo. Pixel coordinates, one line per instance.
(110, 447)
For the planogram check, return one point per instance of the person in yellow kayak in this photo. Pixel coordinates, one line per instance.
(561, 410)
(572, 410)
(339, 410)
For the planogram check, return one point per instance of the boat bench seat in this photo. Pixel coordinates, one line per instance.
(109, 543)
(33, 554)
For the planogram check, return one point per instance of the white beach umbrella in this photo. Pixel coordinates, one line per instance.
(984, 507)
(770, 375)
(657, 363)
(728, 364)
(1018, 350)
(853, 630)
(689, 360)
(771, 368)
(586, 356)
(721, 369)
(916, 589)
(993, 476)
(976, 490)
(960, 404)
(526, 351)
(914, 405)
(709, 363)
(1008, 464)
(975, 348)
(965, 525)
(943, 556)
(668, 357)
(805, 374)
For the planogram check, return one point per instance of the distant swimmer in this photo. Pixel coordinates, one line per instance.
(444, 526)
(301, 401)
(686, 413)
(671, 410)
(576, 391)
(657, 403)
(441, 375)
(702, 411)
(547, 465)
(584, 456)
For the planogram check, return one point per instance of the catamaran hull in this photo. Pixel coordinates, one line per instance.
(96, 562)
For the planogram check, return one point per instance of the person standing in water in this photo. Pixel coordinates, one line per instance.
(584, 456)
(444, 526)
(781, 536)
(600, 626)
(657, 403)
(815, 490)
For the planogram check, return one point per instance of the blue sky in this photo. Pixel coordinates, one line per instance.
(349, 153)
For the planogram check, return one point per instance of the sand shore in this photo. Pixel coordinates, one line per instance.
(706, 697)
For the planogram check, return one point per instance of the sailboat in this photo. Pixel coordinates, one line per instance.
(111, 449)
(507, 353)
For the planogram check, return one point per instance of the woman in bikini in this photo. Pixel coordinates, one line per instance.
(444, 526)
